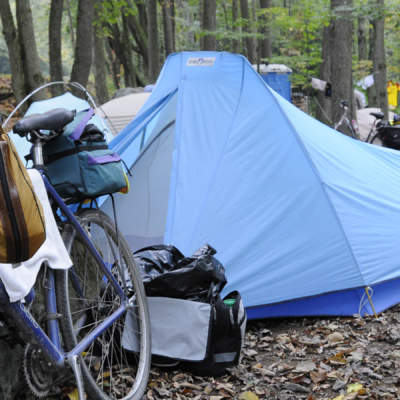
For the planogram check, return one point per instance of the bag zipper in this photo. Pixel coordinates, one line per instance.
(11, 213)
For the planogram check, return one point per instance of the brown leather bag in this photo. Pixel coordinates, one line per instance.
(22, 228)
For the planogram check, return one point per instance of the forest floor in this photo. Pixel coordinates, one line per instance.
(304, 358)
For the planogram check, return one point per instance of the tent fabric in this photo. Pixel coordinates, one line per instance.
(302, 216)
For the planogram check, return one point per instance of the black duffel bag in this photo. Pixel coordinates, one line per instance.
(390, 136)
(191, 325)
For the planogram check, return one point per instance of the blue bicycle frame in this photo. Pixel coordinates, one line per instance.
(51, 344)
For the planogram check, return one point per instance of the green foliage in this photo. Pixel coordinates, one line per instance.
(296, 37)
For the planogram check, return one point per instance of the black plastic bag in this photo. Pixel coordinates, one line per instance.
(166, 272)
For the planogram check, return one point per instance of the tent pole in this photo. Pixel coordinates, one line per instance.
(367, 289)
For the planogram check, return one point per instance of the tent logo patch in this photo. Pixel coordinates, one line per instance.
(200, 62)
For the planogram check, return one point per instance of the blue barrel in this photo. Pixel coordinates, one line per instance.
(278, 78)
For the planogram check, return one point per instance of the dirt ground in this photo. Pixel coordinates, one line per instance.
(305, 358)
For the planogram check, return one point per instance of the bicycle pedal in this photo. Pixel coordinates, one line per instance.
(52, 316)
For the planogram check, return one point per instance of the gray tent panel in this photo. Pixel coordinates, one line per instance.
(146, 203)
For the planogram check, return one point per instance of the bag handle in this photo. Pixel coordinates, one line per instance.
(76, 134)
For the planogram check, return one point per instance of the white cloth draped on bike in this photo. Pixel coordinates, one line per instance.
(18, 280)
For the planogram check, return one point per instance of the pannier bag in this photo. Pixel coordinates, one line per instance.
(192, 327)
(79, 163)
(22, 228)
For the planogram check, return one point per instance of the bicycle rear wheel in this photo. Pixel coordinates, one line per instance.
(86, 297)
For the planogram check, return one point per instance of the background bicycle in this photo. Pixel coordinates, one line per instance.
(345, 125)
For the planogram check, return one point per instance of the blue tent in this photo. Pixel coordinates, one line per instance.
(306, 220)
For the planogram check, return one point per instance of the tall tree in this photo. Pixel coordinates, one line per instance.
(250, 48)
(14, 51)
(235, 28)
(153, 46)
(265, 45)
(139, 31)
(100, 64)
(209, 25)
(55, 23)
(324, 110)
(30, 57)
(362, 37)
(167, 17)
(371, 91)
(71, 23)
(379, 57)
(84, 39)
(341, 56)
(130, 75)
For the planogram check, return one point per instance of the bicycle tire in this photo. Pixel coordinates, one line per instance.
(109, 371)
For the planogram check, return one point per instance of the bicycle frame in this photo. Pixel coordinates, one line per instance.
(50, 344)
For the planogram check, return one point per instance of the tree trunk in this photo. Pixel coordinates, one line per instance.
(30, 57)
(226, 42)
(265, 50)
(324, 110)
(115, 63)
(379, 58)
(371, 91)
(99, 63)
(341, 56)
(142, 12)
(71, 24)
(55, 23)
(244, 9)
(167, 24)
(130, 75)
(209, 25)
(84, 43)
(153, 46)
(172, 3)
(14, 50)
(136, 27)
(235, 29)
(362, 38)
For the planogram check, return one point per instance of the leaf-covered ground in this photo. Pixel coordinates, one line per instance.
(307, 358)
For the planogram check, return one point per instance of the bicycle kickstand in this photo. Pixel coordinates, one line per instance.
(73, 361)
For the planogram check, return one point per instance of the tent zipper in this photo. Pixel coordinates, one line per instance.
(11, 213)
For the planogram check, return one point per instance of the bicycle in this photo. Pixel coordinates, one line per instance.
(75, 317)
(378, 123)
(344, 120)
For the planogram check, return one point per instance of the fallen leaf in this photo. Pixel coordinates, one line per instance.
(318, 376)
(248, 396)
(354, 387)
(74, 395)
(305, 366)
(338, 359)
(335, 337)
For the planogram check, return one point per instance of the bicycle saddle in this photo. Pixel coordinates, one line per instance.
(52, 120)
(377, 115)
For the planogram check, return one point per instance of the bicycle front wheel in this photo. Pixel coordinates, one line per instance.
(86, 297)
